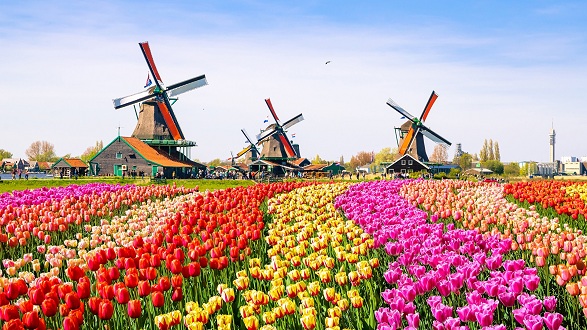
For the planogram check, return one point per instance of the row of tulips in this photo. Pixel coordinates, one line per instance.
(564, 197)
(148, 261)
(442, 277)
(45, 216)
(556, 247)
(317, 272)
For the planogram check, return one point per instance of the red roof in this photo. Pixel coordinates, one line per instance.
(153, 155)
(75, 162)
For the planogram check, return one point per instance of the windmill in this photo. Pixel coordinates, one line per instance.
(252, 148)
(156, 120)
(414, 129)
(276, 144)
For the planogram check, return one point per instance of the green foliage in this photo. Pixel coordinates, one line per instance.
(318, 160)
(92, 151)
(494, 165)
(5, 154)
(453, 173)
(465, 161)
(511, 169)
(215, 162)
(385, 155)
(440, 176)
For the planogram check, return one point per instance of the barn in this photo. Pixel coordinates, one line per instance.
(405, 165)
(129, 156)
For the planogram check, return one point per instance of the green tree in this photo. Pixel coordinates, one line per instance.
(465, 161)
(92, 151)
(511, 169)
(494, 165)
(318, 160)
(496, 154)
(5, 154)
(484, 153)
(41, 151)
(385, 155)
(490, 153)
(215, 162)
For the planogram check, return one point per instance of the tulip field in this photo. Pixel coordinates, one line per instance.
(397, 254)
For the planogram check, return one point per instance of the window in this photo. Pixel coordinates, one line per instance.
(403, 170)
(119, 155)
(134, 168)
(410, 162)
(403, 162)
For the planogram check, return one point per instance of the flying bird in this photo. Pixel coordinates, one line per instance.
(327, 62)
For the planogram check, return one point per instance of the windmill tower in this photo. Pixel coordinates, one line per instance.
(552, 136)
(413, 130)
(276, 145)
(156, 122)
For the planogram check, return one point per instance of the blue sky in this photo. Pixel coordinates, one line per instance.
(503, 70)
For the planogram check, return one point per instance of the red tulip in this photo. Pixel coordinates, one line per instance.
(36, 296)
(12, 291)
(49, 307)
(144, 288)
(134, 308)
(94, 304)
(74, 273)
(157, 299)
(131, 280)
(70, 324)
(93, 263)
(83, 290)
(113, 273)
(25, 306)
(122, 296)
(194, 269)
(30, 320)
(164, 283)
(177, 294)
(176, 281)
(63, 290)
(63, 310)
(106, 309)
(9, 312)
(13, 324)
(3, 299)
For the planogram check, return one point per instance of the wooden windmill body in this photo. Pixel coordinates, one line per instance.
(412, 132)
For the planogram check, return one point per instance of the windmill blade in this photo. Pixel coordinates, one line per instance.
(186, 86)
(247, 136)
(433, 136)
(428, 106)
(244, 151)
(408, 140)
(289, 150)
(149, 58)
(265, 134)
(268, 102)
(401, 110)
(132, 99)
(293, 121)
(171, 121)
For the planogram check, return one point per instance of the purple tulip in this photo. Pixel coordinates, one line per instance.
(553, 321)
(550, 303)
(413, 320)
(533, 322)
(508, 299)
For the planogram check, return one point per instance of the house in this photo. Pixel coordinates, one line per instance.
(36, 167)
(17, 163)
(69, 167)
(334, 168)
(279, 170)
(406, 164)
(129, 156)
(300, 162)
(315, 170)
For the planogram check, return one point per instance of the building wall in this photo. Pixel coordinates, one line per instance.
(573, 168)
(107, 160)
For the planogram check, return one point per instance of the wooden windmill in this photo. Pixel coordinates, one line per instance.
(251, 150)
(157, 124)
(413, 130)
(276, 145)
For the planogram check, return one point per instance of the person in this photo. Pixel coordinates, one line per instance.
(173, 175)
(13, 173)
(357, 175)
(19, 174)
(26, 174)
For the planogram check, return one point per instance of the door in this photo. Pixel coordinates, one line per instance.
(154, 170)
(118, 170)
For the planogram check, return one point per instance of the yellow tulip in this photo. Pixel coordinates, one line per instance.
(308, 321)
(268, 317)
(241, 283)
(334, 312)
(329, 294)
(331, 322)
(251, 322)
(343, 304)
